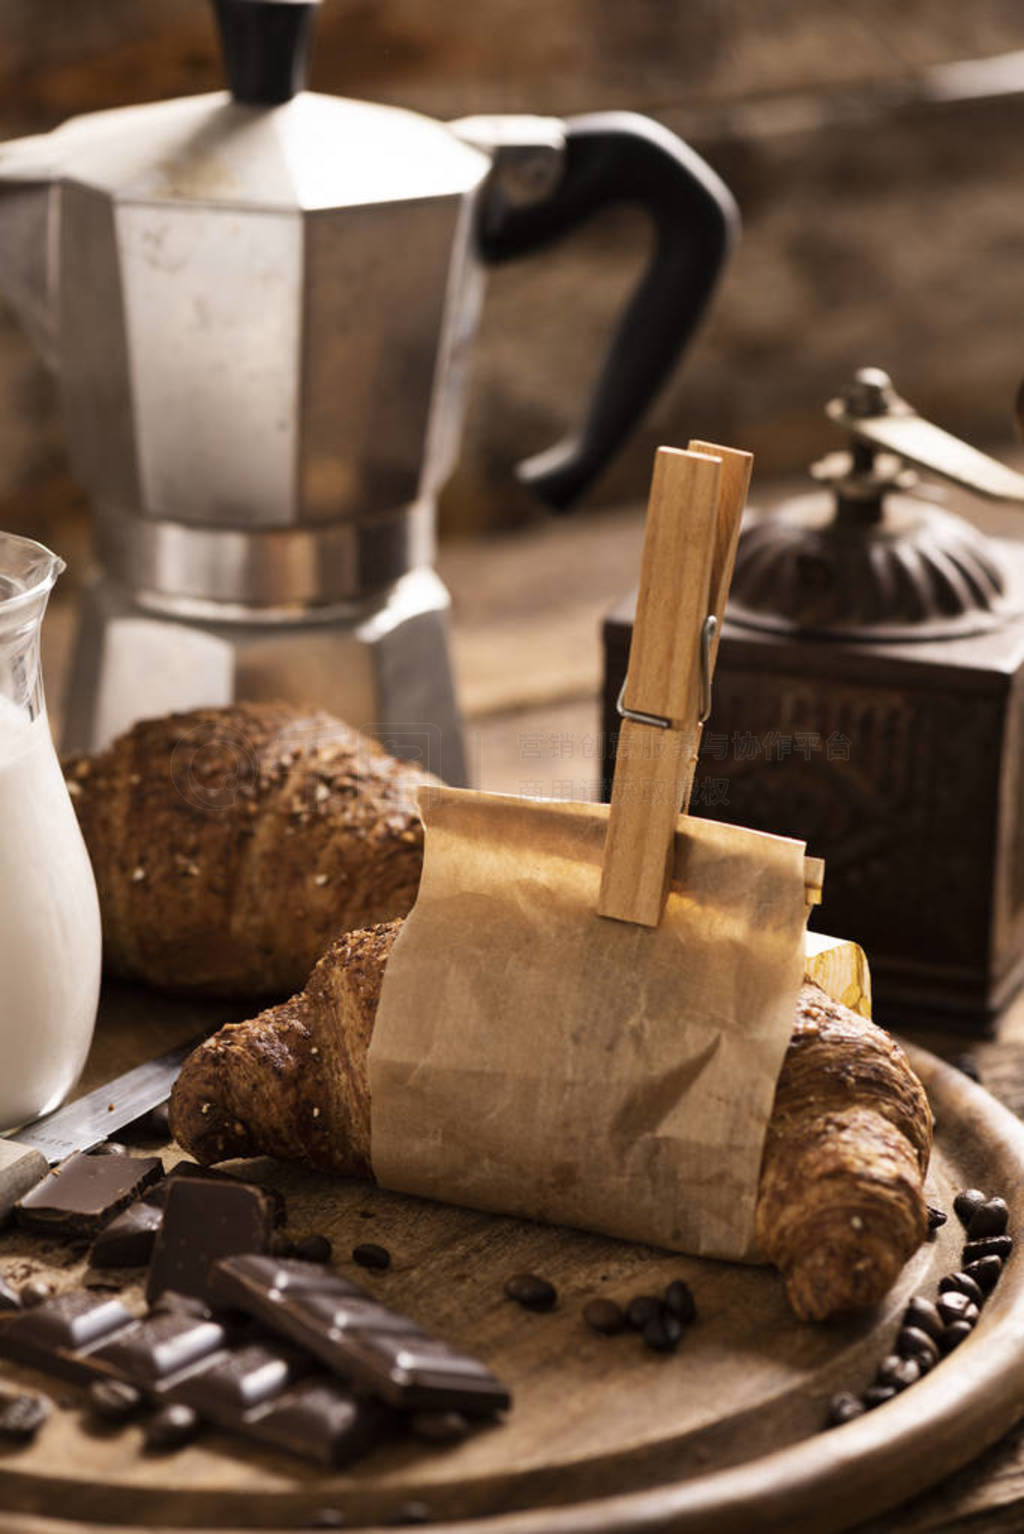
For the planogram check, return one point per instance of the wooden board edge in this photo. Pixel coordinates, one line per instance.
(833, 1480)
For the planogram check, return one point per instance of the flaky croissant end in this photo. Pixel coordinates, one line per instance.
(841, 1203)
(292, 1082)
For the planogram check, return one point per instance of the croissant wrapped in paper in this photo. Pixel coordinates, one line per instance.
(840, 1204)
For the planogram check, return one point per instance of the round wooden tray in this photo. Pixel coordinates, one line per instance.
(603, 1436)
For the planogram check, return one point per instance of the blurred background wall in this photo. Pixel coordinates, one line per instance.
(878, 165)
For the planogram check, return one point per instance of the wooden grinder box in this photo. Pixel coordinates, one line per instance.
(900, 764)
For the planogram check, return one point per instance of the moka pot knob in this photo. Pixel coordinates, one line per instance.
(266, 45)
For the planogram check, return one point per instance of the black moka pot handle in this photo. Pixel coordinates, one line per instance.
(621, 157)
(609, 157)
(266, 45)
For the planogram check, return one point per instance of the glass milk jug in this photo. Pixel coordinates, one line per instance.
(50, 946)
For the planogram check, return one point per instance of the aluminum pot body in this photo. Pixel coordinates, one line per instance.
(251, 314)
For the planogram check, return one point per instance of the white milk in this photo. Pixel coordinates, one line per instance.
(49, 926)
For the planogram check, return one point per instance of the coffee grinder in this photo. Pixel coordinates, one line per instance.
(869, 698)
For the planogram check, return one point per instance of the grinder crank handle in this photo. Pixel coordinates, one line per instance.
(622, 157)
(693, 518)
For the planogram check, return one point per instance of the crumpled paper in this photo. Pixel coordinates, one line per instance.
(532, 1058)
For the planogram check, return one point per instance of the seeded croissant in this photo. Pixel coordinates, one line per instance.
(230, 845)
(840, 1206)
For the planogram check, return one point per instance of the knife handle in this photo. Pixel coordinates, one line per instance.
(21, 1167)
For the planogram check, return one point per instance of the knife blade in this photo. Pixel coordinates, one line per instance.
(26, 1157)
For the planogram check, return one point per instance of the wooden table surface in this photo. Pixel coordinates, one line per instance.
(527, 613)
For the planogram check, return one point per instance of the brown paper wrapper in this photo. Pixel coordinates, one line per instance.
(532, 1058)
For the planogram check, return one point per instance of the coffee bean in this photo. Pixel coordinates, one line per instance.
(643, 1308)
(843, 1408)
(925, 1316)
(913, 1343)
(955, 1306)
(171, 1428)
(411, 1513)
(988, 1246)
(936, 1218)
(439, 1426)
(963, 1284)
(314, 1249)
(370, 1255)
(327, 1518)
(114, 1400)
(21, 1416)
(898, 1372)
(662, 1333)
(158, 1121)
(989, 1219)
(680, 1302)
(531, 1291)
(954, 1334)
(985, 1272)
(109, 1148)
(966, 1203)
(877, 1395)
(36, 1292)
(604, 1316)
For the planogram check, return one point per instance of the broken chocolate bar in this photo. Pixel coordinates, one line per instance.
(81, 1195)
(264, 1392)
(128, 1241)
(365, 1343)
(204, 1221)
(191, 1169)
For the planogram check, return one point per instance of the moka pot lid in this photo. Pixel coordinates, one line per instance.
(266, 143)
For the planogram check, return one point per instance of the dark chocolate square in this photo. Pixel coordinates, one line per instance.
(321, 1421)
(350, 1315)
(203, 1222)
(128, 1241)
(161, 1345)
(79, 1197)
(73, 1320)
(246, 1377)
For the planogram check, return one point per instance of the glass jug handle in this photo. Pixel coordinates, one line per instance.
(609, 158)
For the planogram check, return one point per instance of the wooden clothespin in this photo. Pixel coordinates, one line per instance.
(693, 522)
